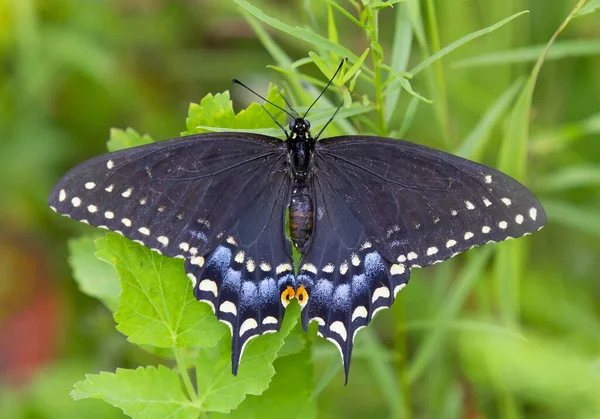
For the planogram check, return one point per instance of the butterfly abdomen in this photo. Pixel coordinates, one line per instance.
(301, 215)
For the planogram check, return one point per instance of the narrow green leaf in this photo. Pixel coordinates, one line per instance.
(298, 32)
(121, 139)
(332, 29)
(278, 54)
(401, 49)
(218, 390)
(157, 306)
(347, 14)
(321, 64)
(447, 313)
(409, 116)
(146, 393)
(586, 220)
(384, 374)
(355, 68)
(591, 7)
(576, 176)
(377, 5)
(95, 277)
(474, 35)
(558, 51)
(474, 143)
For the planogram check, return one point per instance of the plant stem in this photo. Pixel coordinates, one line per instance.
(377, 58)
(183, 372)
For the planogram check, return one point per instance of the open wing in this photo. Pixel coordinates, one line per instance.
(420, 206)
(347, 279)
(217, 200)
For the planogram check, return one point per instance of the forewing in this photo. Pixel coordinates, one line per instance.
(176, 196)
(346, 278)
(217, 200)
(420, 206)
(244, 277)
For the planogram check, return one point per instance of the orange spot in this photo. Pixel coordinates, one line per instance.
(287, 295)
(302, 295)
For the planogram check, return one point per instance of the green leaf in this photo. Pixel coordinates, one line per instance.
(333, 32)
(355, 68)
(576, 176)
(156, 306)
(573, 216)
(317, 119)
(121, 139)
(591, 7)
(347, 14)
(95, 277)
(218, 390)
(298, 32)
(457, 296)
(292, 381)
(558, 51)
(401, 48)
(474, 35)
(217, 111)
(513, 161)
(142, 393)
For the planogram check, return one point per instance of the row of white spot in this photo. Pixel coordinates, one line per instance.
(468, 235)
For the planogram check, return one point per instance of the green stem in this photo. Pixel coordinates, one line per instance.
(373, 35)
(183, 372)
(441, 100)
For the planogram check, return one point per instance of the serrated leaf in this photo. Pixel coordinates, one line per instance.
(217, 111)
(218, 390)
(95, 278)
(293, 378)
(142, 393)
(156, 306)
(121, 139)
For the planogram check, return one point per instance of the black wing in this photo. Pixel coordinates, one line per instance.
(420, 206)
(346, 277)
(198, 198)
(383, 206)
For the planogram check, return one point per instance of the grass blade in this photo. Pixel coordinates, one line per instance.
(576, 176)
(448, 49)
(401, 47)
(559, 50)
(298, 32)
(447, 313)
(573, 216)
(474, 143)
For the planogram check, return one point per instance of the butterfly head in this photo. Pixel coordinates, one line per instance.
(300, 129)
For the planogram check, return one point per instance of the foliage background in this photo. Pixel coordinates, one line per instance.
(507, 332)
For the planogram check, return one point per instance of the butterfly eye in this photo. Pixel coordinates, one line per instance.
(287, 295)
(293, 125)
(307, 124)
(302, 296)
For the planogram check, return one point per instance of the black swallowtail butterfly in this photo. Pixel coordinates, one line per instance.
(363, 211)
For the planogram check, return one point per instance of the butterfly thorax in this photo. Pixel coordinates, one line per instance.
(301, 146)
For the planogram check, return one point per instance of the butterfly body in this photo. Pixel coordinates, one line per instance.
(363, 211)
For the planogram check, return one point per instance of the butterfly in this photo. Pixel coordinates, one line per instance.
(362, 210)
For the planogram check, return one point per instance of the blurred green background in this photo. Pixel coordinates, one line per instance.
(70, 70)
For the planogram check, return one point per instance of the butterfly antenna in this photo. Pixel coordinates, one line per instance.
(330, 119)
(236, 81)
(290, 106)
(325, 89)
(274, 120)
